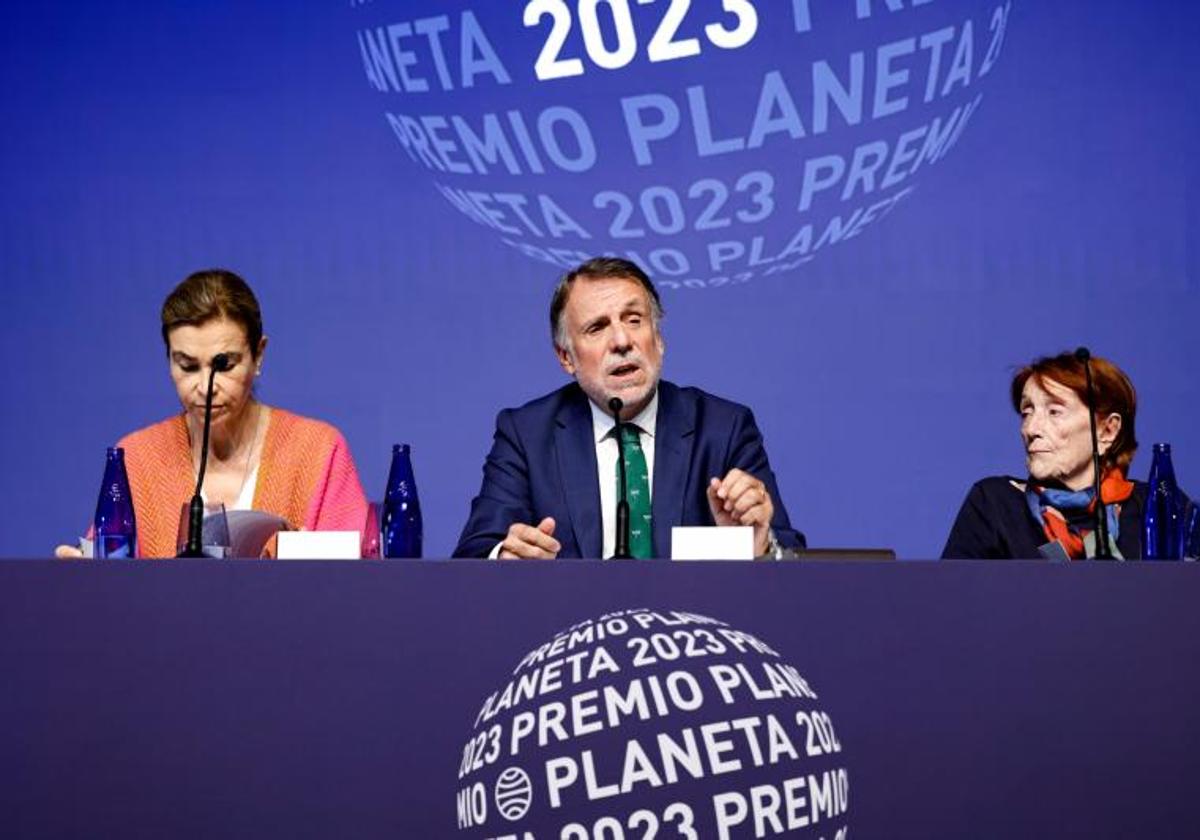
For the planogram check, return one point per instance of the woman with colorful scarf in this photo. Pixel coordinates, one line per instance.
(1051, 512)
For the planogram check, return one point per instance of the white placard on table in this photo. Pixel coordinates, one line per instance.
(318, 545)
(710, 542)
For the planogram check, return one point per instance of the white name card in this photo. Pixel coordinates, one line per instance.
(710, 542)
(319, 545)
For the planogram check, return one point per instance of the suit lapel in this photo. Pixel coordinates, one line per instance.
(575, 447)
(673, 441)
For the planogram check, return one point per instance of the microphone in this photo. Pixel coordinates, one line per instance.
(194, 547)
(621, 546)
(1103, 552)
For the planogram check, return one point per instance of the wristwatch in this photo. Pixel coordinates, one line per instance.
(774, 551)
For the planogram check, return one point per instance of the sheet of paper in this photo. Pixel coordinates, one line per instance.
(249, 531)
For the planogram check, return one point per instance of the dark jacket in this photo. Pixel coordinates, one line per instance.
(543, 463)
(995, 523)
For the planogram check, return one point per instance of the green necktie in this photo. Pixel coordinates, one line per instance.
(641, 543)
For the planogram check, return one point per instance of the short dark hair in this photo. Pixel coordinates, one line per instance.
(599, 268)
(209, 294)
(1114, 395)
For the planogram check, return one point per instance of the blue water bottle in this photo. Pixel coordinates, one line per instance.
(115, 526)
(1160, 524)
(400, 523)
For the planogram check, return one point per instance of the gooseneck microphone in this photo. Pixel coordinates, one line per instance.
(195, 535)
(621, 545)
(1103, 552)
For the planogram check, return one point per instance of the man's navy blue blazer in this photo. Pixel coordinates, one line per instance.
(543, 463)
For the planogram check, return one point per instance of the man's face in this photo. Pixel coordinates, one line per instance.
(613, 348)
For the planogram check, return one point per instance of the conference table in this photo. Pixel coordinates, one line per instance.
(575, 699)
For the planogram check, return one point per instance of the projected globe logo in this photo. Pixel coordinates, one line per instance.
(712, 141)
(514, 793)
(653, 723)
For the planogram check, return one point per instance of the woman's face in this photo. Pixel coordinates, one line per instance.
(191, 350)
(1057, 434)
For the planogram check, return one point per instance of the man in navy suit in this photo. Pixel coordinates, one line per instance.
(549, 487)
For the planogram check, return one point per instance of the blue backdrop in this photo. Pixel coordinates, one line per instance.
(863, 216)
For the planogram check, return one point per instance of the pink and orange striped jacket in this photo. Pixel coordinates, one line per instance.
(305, 475)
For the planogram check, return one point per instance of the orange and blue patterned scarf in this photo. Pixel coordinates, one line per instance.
(1068, 516)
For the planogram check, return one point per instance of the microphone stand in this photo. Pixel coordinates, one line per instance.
(1103, 552)
(621, 546)
(194, 547)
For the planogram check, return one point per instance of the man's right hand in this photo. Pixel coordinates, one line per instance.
(526, 541)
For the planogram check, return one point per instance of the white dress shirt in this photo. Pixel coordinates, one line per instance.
(606, 462)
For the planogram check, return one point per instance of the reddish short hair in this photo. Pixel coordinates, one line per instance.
(1114, 395)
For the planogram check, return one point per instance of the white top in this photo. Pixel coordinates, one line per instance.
(245, 499)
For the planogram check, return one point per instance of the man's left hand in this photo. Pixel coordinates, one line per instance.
(741, 499)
